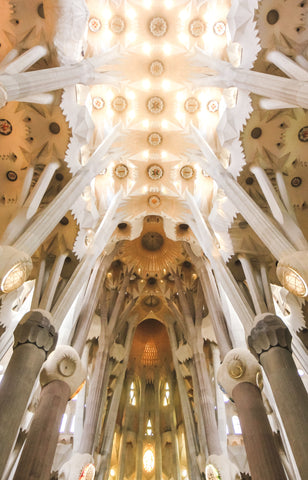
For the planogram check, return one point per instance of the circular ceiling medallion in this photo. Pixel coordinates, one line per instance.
(219, 28)
(156, 68)
(296, 182)
(213, 106)
(155, 172)
(11, 176)
(117, 24)
(197, 27)
(152, 241)
(155, 105)
(98, 103)
(256, 132)
(155, 139)
(94, 24)
(187, 172)
(119, 104)
(5, 127)
(191, 105)
(272, 17)
(121, 171)
(302, 134)
(54, 128)
(154, 201)
(158, 26)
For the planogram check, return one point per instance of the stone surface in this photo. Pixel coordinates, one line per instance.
(239, 366)
(36, 328)
(63, 364)
(269, 332)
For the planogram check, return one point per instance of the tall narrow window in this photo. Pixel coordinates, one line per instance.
(132, 394)
(149, 431)
(166, 400)
(236, 425)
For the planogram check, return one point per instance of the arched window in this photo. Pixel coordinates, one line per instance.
(132, 394)
(148, 460)
(166, 400)
(236, 425)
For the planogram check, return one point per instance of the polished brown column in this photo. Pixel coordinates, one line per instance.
(270, 342)
(34, 339)
(263, 457)
(61, 375)
(240, 376)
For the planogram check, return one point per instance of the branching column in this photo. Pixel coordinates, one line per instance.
(264, 227)
(239, 375)
(158, 452)
(46, 220)
(61, 376)
(127, 418)
(212, 300)
(192, 446)
(270, 342)
(140, 436)
(35, 338)
(175, 442)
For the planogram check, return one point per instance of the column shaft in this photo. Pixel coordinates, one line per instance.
(158, 452)
(263, 458)
(37, 456)
(291, 399)
(207, 404)
(15, 390)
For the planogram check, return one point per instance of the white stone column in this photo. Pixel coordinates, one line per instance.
(173, 423)
(157, 433)
(267, 289)
(279, 88)
(53, 281)
(81, 400)
(191, 441)
(269, 234)
(140, 435)
(22, 62)
(288, 225)
(223, 275)
(253, 287)
(110, 423)
(287, 66)
(220, 404)
(214, 305)
(127, 417)
(19, 85)
(82, 272)
(46, 221)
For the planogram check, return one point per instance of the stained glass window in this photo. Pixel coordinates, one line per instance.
(148, 460)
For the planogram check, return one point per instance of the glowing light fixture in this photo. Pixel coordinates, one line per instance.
(292, 271)
(15, 268)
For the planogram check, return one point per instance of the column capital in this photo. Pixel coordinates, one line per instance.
(63, 364)
(36, 328)
(270, 331)
(239, 366)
